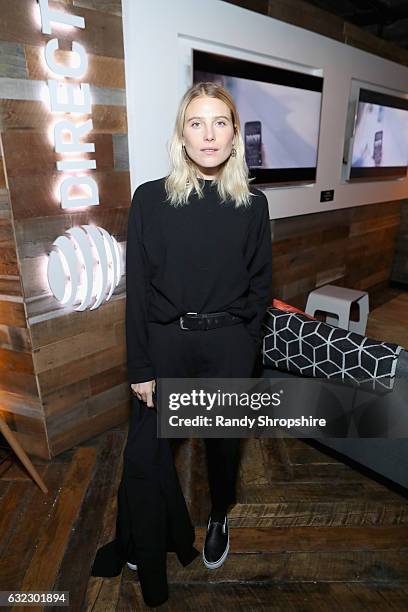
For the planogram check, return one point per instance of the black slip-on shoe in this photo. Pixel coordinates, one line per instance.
(216, 544)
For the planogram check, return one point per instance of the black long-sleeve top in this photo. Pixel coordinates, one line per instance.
(204, 256)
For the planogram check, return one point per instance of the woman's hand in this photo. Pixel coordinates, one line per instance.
(144, 391)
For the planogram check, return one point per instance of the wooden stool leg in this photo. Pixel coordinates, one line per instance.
(21, 454)
(360, 326)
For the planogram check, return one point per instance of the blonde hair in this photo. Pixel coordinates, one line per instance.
(232, 180)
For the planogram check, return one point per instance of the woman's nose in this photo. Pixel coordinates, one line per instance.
(209, 134)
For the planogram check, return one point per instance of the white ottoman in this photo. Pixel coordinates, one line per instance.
(337, 301)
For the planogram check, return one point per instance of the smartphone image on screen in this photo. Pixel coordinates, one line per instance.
(377, 151)
(253, 142)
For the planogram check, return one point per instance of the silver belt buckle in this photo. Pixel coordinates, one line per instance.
(181, 320)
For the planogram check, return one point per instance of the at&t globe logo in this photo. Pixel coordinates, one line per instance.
(84, 267)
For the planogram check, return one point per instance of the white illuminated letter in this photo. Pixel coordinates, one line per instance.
(69, 105)
(76, 131)
(75, 72)
(48, 15)
(71, 181)
(76, 164)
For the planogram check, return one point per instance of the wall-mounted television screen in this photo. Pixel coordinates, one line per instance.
(379, 147)
(279, 111)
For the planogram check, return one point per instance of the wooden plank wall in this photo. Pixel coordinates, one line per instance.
(399, 272)
(70, 368)
(19, 400)
(351, 247)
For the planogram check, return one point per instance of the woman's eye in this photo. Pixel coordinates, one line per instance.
(194, 123)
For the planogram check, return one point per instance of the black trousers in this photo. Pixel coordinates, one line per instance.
(152, 515)
(225, 352)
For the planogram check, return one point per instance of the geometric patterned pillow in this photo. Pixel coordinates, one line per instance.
(296, 344)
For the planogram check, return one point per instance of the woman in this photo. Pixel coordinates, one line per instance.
(199, 242)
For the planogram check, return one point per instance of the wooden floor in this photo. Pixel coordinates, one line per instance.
(310, 533)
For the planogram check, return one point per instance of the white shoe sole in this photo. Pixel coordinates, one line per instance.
(215, 564)
(131, 566)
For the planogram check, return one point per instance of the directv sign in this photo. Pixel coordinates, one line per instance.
(85, 265)
(72, 98)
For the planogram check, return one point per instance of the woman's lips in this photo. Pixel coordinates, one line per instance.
(209, 151)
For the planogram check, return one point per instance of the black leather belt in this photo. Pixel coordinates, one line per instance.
(193, 321)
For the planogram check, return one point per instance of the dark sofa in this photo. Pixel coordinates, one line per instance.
(386, 457)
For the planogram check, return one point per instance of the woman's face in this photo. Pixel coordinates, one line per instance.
(208, 134)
